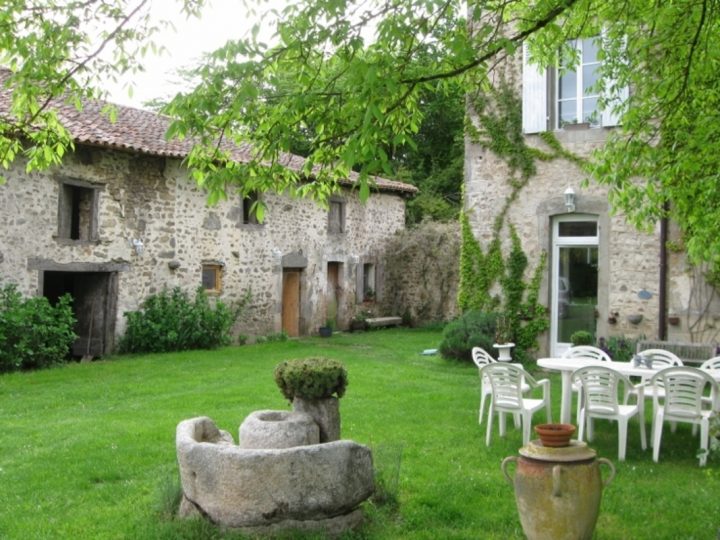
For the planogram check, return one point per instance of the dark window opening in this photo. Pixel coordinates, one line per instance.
(77, 213)
(211, 277)
(368, 281)
(336, 217)
(249, 214)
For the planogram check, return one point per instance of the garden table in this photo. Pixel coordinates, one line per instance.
(566, 366)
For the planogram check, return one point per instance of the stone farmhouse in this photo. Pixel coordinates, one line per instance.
(121, 219)
(602, 274)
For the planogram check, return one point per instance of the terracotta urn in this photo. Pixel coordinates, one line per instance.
(558, 490)
(555, 435)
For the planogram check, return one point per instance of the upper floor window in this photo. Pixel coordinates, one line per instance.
(556, 97)
(577, 97)
(336, 217)
(77, 211)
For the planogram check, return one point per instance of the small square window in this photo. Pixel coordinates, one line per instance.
(212, 277)
(77, 212)
(336, 217)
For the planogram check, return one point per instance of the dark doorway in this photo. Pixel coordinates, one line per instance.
(94, 305)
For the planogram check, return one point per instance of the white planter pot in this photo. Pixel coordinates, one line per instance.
(504, 351)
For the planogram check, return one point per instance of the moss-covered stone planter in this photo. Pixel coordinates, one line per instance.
(315, 487)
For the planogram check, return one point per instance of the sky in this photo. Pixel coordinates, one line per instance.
(221, 20)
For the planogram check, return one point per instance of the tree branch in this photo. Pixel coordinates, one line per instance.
(517, 38)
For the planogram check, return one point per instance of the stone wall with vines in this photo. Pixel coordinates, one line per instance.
(511, 175)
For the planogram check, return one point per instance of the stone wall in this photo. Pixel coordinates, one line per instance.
(151, 201)
(421, 273)
(628, 281)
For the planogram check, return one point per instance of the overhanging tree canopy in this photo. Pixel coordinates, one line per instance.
(351, 76)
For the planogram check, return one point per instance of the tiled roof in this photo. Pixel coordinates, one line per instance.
(141, 131)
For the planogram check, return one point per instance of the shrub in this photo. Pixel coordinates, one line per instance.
(582, 337)
(311, 378)
(34, 333)
(619, 348)
(171, 321)
(472, 329)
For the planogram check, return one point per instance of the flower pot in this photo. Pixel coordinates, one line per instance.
(357, 324)
(558, 490)
(504, 351)
(555, 435)
(325, 331)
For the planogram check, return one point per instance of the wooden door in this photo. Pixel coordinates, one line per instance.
(291, 302)
(90, 304)
(332, 294)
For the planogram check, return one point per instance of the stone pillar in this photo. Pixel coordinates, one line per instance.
(325, 412)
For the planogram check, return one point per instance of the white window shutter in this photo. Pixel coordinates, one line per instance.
(534, 96)
(610, 117)
(615, 97)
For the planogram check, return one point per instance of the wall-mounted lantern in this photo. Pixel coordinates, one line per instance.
(138, 246)
(569, 199)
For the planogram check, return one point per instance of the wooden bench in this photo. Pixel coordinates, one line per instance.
(377, 322)
(689, 353)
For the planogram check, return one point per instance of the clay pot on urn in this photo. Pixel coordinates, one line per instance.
(555, 435)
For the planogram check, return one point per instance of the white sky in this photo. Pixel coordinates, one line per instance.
(221, 20)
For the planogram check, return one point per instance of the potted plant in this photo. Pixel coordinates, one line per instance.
(359, 321)
(503, 337)
(327, 330)
(313, 386)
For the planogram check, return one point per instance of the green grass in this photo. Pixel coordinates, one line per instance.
(87, 450)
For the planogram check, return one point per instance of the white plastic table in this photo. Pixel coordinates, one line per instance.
(566, 366)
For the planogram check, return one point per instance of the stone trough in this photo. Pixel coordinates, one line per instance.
(278, 478)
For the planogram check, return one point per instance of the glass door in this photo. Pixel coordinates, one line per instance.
(574, 279)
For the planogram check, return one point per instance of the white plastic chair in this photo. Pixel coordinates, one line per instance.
(712, 366)
(506, 381)
(601, 388)
(660, 359)
(482, 358)
(682, 402)
(585, 352)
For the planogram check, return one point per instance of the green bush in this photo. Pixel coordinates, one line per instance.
(171, 321)
(472, 329)
(619, 348)
(311, 378)
(34, 333)
(582, 337)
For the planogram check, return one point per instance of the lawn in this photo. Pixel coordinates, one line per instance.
(87, 450)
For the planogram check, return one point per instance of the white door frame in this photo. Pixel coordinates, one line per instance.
(556, 347)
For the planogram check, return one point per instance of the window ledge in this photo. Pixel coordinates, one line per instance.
(581, 135)
(71, 242)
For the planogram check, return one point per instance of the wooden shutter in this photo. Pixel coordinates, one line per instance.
(534, 96)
